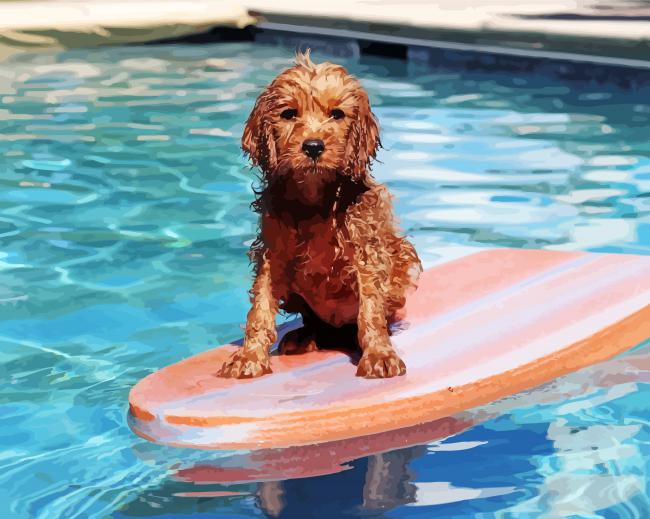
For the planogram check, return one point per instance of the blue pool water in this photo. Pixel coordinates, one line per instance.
(125, 220)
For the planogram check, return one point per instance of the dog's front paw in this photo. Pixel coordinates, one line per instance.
(380, 363)
(246, 364)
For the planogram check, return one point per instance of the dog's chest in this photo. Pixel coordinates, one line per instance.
(317, 257)
(323, 274)
(323, 255)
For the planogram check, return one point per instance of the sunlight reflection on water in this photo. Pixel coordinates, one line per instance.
(125, 224)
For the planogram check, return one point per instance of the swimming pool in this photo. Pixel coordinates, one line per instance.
(125, 222)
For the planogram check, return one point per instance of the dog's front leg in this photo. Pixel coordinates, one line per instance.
(379, 359)
(252, 359)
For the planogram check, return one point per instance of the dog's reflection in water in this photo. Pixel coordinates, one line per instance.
(378, 482)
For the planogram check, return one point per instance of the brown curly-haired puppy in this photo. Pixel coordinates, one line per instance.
(328, 246)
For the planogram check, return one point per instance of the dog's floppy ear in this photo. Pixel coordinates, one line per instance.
(258, 141)
(363, 139)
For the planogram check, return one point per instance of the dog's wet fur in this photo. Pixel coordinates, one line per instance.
(328, 245)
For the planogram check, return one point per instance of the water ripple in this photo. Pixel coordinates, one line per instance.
(125, 224)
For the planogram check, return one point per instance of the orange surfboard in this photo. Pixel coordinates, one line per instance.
(477, 329)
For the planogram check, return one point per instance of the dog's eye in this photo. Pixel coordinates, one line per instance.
(289, 113)
(337, 113)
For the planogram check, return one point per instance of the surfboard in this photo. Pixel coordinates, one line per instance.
(203, 467)
(477, 329)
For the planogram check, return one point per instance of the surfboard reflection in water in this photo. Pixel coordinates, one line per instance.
(371, 475)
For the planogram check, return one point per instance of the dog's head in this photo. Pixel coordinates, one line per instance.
(312, 124)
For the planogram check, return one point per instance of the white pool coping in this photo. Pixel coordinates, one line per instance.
(41, 24)
(508, 26)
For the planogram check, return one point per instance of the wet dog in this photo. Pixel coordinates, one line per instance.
(328, 246)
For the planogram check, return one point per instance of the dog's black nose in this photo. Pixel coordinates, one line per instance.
(313, 148)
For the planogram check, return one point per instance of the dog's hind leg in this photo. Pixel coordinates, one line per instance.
(316, 334)
(303, 339)
(295, 342)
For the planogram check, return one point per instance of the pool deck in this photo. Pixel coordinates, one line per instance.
(42, 24)
(583, 30)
